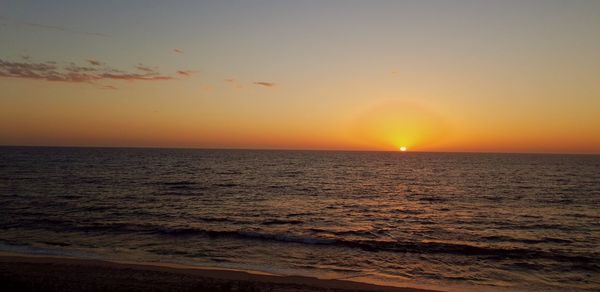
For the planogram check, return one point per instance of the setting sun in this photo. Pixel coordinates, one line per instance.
(403, 148)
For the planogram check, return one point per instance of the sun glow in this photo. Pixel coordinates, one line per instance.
(398, 125)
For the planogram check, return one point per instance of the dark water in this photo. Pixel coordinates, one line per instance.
(529, 222)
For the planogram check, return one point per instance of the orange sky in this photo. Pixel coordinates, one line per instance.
(499, 76)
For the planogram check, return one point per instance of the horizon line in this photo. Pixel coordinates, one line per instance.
(297, 149)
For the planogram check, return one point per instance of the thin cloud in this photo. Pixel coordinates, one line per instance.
(186, 73)
(265, 84)
(134, 76)
(53, 27)
(71, 72)
(233, 82)
(93, 62)
(178, 51)
(141, 67)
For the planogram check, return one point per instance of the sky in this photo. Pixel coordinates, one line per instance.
(474, 76)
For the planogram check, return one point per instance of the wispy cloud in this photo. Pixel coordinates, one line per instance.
(93, 62)
(141, 67)
(53, 27)
(265, 84)
(186, 73)
(110, 87)
(178, 51)
(237, 84)
(233, 82)
(72, 72)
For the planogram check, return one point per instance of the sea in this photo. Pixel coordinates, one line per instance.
(460, 221)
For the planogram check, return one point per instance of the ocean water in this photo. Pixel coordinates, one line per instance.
(480, 221)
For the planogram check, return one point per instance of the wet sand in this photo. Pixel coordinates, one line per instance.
(44, 273)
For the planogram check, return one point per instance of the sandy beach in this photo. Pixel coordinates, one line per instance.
(45, 273)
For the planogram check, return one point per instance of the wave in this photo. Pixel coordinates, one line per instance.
(175, 183)
(180, 186)
(588, 260)
(393, 245)
(283, 237)
(281, 222)
(225, 185)
(498, 238)
(365, 233)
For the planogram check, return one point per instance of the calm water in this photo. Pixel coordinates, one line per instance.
(482, 220)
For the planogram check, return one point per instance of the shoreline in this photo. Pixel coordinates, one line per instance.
(58, 273)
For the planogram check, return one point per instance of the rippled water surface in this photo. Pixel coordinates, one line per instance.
(481, 220)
